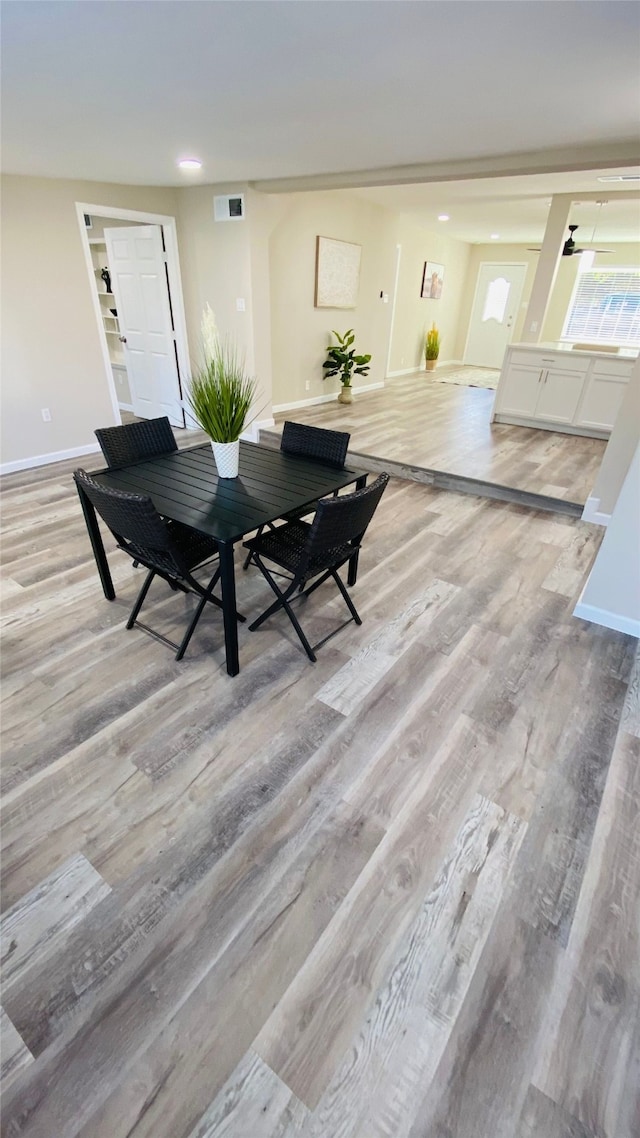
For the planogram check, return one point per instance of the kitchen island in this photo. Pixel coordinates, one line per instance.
(562, 387)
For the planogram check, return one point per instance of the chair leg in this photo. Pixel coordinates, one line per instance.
(184, 643)
(282, 602)
(350, 605)
(141, 596)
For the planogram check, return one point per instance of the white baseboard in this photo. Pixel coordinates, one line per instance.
(252, 433)
(421, 367)
(126, 406)
(322, 398)
(593, 513)
(608, 619)
(45, 459)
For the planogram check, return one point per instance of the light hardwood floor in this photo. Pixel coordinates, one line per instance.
(419, 421)
(394, 895)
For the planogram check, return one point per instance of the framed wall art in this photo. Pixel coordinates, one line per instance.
(337, 273)
(432, 278)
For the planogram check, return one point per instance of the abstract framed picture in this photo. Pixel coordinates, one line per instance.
(337, 273)
(432, 279)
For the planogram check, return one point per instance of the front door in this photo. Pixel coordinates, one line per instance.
(139, 282)
(494, 313)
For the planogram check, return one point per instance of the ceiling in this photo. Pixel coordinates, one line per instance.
(119, 91)
(517, 208)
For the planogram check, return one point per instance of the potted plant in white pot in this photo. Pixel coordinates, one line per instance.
(343, 362)
(220, 398)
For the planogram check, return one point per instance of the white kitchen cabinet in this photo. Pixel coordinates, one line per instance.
(603, 395)
(519, 394)
(560, 391)
(555, 388)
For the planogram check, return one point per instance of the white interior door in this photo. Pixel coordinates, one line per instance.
(495, 308)
(139, 282)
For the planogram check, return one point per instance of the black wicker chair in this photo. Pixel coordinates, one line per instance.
(167, 549)
(310, 442)
(315, 551)
(315, 442)
(133, 442)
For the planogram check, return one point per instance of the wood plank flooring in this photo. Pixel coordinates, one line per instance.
(418, 421)
(392, 895)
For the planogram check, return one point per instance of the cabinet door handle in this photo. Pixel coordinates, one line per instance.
(541, 374)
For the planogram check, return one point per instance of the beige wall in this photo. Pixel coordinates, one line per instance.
(494, 253)
(624, 254)
(51, 354)
(222, 262)
(415, 315)
(299, 331)
(51, 351)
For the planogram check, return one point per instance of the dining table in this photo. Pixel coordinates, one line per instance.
(184, 486)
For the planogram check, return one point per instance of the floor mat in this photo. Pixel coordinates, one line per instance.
(472, 377)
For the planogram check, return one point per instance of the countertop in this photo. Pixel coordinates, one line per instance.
(561, 346)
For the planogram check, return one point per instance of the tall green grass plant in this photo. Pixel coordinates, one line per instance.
(221, 394)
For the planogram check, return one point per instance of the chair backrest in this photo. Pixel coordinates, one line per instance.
(315, 442)
(344, 520)
(136, 525)
(133, 442)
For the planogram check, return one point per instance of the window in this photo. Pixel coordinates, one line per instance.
(496, 300)
(605, 307)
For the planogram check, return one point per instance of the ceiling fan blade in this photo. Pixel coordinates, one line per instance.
(590, 249)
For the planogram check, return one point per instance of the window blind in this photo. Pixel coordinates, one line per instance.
(605, 307)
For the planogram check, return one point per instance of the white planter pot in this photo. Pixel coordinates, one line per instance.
(227, 456)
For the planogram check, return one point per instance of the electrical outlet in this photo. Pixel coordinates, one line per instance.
(240, 305)
(46, 415)
(307, 385)
(534, 326)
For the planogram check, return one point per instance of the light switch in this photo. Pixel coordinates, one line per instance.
(240, 305)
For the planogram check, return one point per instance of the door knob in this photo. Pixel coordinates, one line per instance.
(122, 339)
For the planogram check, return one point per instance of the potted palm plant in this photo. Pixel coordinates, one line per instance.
(220, 397)
(342, 361)
(432, 348)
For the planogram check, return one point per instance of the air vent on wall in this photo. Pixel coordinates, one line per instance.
(228, 207)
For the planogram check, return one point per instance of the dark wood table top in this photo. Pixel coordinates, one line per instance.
(185, 487)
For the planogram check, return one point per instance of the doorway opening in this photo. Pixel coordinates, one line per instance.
(134, 272)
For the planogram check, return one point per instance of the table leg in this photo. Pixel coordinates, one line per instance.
(95, 537)
(352, 575)
(228, 588)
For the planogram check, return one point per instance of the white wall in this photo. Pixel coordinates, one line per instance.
(611, 596)
(621, 447)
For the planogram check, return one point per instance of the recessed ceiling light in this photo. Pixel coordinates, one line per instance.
(190, 164)
(443, 217)
(495, 236)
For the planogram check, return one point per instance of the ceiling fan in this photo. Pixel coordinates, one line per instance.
(569, 248)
